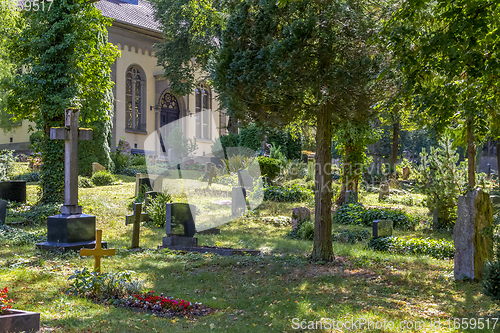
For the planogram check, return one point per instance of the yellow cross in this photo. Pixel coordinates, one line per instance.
(98, 251)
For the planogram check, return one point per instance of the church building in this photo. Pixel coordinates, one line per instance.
(143, 103)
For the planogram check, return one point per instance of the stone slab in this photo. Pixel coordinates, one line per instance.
(71, 228)
(219, 251)
(180, 241)
(238, 201)
(13, 190)
(3, 211)
(180, 219)
(382, 228)
(14, 321)
(63, 247)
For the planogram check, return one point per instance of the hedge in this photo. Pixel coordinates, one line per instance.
(436, 248)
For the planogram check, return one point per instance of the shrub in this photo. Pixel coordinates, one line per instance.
(29, 177)
(491, 280)
(102, 178)
(440, 249)
(35, 214)
(295, 193)
(227, 179)
(157, 209)
(269, 167)
(19, 237)
(301, 182)
(137, 159)
(133, 170)
(104, 285)
(356, 214)
(306, 230)
(277, 221)
(7, 164)
(351, 236)
(120, 160)
(84, 182)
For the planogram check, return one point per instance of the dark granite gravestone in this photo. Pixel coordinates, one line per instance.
(152, 182)
(180, 225)
(150, 195)
(13, 190)
(238, 201)
(244, 179)
(382, 228)
(3, 211)
(351, 197)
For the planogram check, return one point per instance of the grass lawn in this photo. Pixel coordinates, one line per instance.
(250, 294)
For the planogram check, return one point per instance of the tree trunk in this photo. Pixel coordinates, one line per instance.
(322, 249)
(471, 155)
(395, 145)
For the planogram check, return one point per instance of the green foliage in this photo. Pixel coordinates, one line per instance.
(306, 230)
(35, 215)
(103, 177)
(277, 154)
(219, 148)
(233, 163)
(440, 249)
(7, 164)
(182, 145)
(407, 200)
(269, 167)
(28, 177)
(19, 237)
(104, 285)
(85, 182)
(133, 170)
(251, 136)
(157, 209)
(302, 183)
(351, 236)
(227, 179)
(356, 214)
(120, 160)
(442, 179)
(295, 193)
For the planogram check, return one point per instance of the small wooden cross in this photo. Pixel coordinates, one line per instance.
(98, 251)
(136, 219)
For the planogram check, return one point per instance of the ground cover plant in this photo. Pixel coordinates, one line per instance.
(248, 294)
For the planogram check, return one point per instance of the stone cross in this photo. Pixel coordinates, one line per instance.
(71, 134)
(210, 172)
(136, 219)
(97, 252)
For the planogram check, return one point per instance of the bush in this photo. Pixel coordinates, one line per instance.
(277, 221)
(29, 177)
(157, 209)
(269, 167)
(227, 179)
(137, 159)
(120, 160)
(7, 164)
(440, 249)
(356, 214)
(491, 280)
(84, 182)
(104, 285)
(35, 214)
(295, 193)
(306, 230)
(301, 182)
(19, 237)
(133, 170)
(102, 178)
(351, 236)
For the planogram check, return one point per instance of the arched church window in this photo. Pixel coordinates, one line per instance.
(203, 103)
(134, 104)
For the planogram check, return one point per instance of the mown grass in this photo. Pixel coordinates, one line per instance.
(251, 294)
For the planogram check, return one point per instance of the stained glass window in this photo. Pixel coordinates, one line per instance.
(133, 104)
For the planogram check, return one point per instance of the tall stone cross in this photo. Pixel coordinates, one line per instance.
(136, 219)
(70, 134)
(97, 252)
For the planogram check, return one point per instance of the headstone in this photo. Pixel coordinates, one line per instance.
(244, 179)
(97, 167)
(210, 172)
(70, 230)
(98, 252)
(149, 196)
(473, 234)
(300, 214)
(406, 173)
(180, 225)
(153, 182)
(384, 191)
(3, 211)
(238, 201)
(382, 228)
(13, 190)
(351, 197)
(136, 219)
(173, 157)
(495, 200)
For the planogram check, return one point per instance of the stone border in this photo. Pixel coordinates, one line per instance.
(219, 251)
(19, 321)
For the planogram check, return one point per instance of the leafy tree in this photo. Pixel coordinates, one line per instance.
(67, 63)
(447, 52)
(182, 145)
(300, 60)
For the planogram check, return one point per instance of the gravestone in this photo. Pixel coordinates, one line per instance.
(210, 172)
(406, 173)
(13, 190)
(244, 179)
(351, 197)
(495, 200)
(97, 167)
(98, 252)
(173, 157)
(238, 201)
(136, 220)
(3, 211)
(384, 191)
(70, 230)
(473, 234)
(300, 214)
(180, 225)
(149, 196)
(382, 228)
(153, 182)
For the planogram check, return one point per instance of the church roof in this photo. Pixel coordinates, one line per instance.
(140, 15)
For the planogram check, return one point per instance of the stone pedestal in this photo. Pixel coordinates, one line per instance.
(13, 190)
(472, 234)
(179, 241)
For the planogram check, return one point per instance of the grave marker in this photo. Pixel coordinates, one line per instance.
(384, 191)
(98, 252)
(136, 219)
(150, 195)
(238, 201)
(180, 225)
(154, 182)
(244, 179)
(406, 173)
(210, 172)
(382, 228)
(3, 211)
(97, 167)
